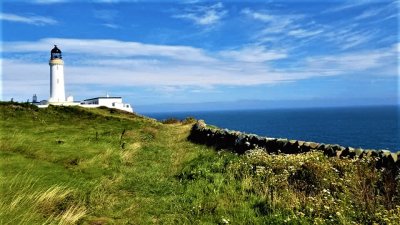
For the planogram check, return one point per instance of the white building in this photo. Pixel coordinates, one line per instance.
(110, 102)
(57, 89)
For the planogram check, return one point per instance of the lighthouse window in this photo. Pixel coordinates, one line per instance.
(57, 81)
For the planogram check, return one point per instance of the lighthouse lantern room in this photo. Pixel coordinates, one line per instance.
(57, 90)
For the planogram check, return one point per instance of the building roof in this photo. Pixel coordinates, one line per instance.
(101, 98)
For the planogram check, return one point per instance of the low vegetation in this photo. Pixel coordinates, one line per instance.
(70, 165)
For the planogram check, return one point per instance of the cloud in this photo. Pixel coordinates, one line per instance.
(274, 23)
(114, 48)
(105, 14)
(357, 61)
(369, 13)
(34, 20)
(204, 15)
(349, 35)
(107, 17)
(253, 54)
(301, 33)
(346, 5)
(116, 64)
(380, 12)
(111, 25)
(264, 17)
(284, 30)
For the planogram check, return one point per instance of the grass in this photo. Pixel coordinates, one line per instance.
(68, 165)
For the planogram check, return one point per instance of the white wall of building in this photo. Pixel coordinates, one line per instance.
(70, 98)
(110, 102)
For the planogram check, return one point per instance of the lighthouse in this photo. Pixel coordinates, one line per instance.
(57, 90)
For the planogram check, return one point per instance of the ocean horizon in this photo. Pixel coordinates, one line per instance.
(367, 127)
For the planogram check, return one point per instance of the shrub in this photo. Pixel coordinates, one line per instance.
(170, 121)
(308, 178)
(189, 120)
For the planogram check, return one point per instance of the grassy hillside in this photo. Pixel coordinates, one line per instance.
(66, 165)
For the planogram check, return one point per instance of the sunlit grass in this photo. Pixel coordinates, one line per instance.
(23, 202)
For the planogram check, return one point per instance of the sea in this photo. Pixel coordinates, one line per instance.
(376, 127)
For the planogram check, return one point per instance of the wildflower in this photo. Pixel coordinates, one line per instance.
(224, 221)
(287, 220)
(301, 214)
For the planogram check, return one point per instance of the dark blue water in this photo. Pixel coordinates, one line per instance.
(365, 127)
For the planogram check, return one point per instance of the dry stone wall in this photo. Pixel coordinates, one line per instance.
(239, 142)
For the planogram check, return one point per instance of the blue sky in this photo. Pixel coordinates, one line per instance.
(160, 55)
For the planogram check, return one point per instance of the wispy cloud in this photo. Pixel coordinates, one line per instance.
(301, 33)
(356, 61)
(107, 17)
(111, 25)
(349, 35)
(105, 14)
(203, 15)
(34, 20)
(111, 48)
(291, 29)
(275, 23)
(369, 13)
(254, 54)
(380, 12)
(346, 5)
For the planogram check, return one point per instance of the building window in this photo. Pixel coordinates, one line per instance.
(57, 81)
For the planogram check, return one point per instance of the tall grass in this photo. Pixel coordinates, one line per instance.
(24, 203)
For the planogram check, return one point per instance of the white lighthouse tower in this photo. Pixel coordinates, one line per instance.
(57, 90)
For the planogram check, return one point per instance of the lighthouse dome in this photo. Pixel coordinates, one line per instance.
(55, 53)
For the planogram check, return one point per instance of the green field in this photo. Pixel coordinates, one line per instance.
(70, 165)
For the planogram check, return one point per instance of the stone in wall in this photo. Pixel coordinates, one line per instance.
(348, 152)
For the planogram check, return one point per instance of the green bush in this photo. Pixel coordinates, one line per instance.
(170, 121)
(189, 120)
